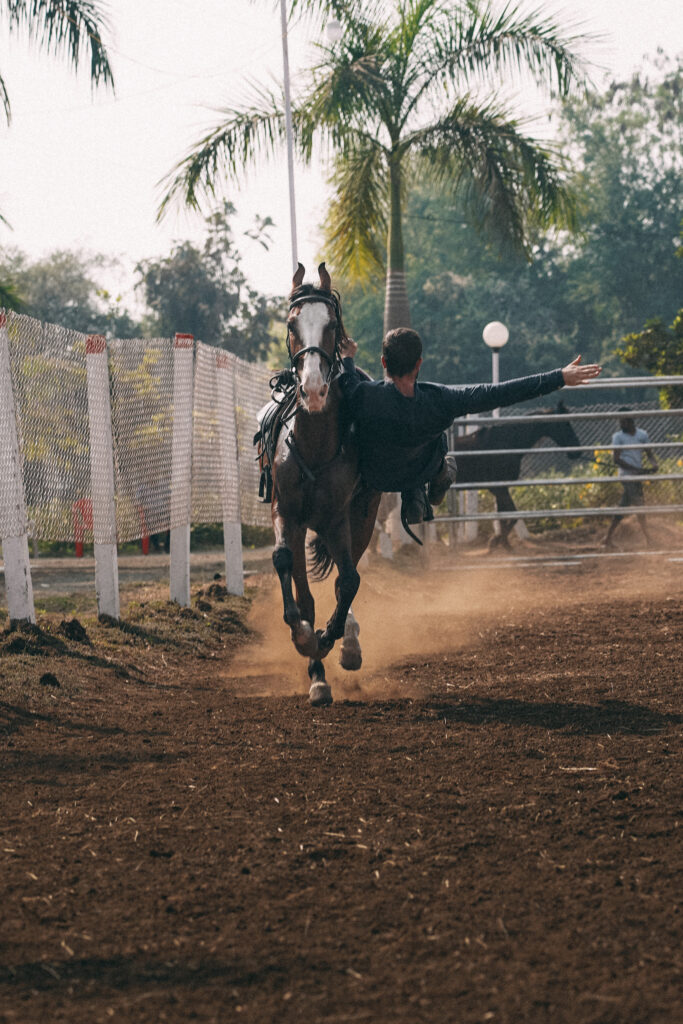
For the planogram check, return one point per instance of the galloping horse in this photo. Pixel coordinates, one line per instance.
(316, 485)
(483, 467)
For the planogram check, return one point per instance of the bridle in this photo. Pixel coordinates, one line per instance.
(333, 361)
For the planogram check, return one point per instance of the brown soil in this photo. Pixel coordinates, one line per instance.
(481, 828)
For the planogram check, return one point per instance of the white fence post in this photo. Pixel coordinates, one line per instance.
(230, 476)
(18, 585)
(102, 477)
(181, 468)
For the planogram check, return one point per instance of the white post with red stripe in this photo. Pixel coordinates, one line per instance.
(102, 477)
(230, 476)
(181, 468)
(18, 585)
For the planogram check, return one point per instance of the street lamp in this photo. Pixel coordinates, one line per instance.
(334, 31)
(288, 130)
(495, 335)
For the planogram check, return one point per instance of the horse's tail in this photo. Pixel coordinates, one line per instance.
(320, 561)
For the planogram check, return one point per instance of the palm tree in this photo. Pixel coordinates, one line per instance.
(62, 27)
(406, 94)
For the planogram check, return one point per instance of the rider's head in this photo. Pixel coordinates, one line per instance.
(401, 352)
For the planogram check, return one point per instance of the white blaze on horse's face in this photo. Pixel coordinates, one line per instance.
(312, 368)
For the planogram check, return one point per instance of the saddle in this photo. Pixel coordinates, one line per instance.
(279, 409)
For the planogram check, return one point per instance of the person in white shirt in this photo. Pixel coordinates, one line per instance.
(629, 462)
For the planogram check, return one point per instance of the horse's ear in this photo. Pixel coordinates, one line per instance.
(325, 281)
(298, 278)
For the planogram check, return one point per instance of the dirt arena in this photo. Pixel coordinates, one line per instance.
(482, 828)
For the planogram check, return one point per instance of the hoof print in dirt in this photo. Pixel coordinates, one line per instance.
(73, 630)
(49, 679)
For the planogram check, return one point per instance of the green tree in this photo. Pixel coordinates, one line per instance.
(63, 288)
(70, 28)
(627, 143)
(204, 292)
(574, 294)
(404, 96)
(659, 350)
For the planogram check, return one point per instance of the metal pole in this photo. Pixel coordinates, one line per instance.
(495, 373)
(288, 129)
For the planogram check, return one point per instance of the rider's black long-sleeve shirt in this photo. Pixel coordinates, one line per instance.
(401, 439)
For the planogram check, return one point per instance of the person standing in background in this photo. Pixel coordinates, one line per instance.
(629, 462)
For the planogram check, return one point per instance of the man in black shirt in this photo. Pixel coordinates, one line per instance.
(401, 423)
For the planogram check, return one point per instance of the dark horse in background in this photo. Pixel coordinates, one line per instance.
(484, 468)
(316, 485)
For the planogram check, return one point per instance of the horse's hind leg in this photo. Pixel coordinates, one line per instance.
(320, 692)
(351, 657)
(504, 503)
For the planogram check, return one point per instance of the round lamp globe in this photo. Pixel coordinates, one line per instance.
(495, 334)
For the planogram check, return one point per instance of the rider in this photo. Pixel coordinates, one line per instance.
(401, 423)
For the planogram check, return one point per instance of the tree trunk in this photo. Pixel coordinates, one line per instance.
(396, 307)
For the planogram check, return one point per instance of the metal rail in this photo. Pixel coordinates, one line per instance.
(557, 417)
(566, 513)
(484, 485)
(556, 448)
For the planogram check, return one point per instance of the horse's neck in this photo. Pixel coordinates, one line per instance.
(318, 435)
(522, 435)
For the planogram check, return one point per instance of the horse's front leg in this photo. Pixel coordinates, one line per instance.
(346, 588)
(289, 560)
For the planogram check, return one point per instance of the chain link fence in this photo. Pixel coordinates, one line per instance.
(48, 367)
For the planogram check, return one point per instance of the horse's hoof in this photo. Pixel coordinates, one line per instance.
(305, 640)
(320, 695)
(351, 657)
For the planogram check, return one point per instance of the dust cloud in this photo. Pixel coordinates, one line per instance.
(401, 616)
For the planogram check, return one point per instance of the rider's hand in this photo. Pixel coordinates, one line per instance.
(576, 374)
(348, 347)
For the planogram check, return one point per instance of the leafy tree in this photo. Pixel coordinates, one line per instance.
(203, 291)
(659, 350)
(9, 297)
(69, 28)
(63, 289)
(402, 97)
(628, 145)
(575, 294)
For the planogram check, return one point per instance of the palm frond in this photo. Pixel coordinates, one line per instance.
(356, 223)
(479, 42)
(9, 296)
(350, 82)
(241, 138)
(4, 99)
(508, 182)
(65, 27)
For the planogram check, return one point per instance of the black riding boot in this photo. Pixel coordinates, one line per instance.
(440, 484)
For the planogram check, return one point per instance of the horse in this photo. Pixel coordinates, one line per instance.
(483, 467)
(316, 484)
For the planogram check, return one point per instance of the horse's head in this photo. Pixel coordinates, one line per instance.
(314, 330)
(563, 433)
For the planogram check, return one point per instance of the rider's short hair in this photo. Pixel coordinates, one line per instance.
(401, 349)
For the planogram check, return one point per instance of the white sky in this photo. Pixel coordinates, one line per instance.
(81, 172)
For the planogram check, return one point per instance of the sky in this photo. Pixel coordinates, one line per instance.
(81, 171)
